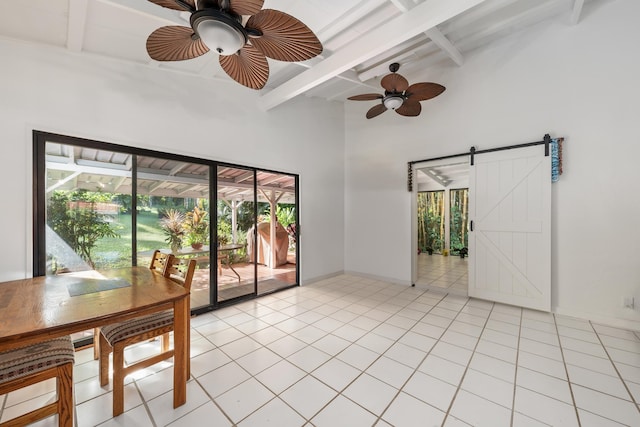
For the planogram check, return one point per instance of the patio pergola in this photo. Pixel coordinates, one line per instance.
(81, 168)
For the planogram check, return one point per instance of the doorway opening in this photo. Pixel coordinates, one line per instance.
(509, 201)
(441, 216)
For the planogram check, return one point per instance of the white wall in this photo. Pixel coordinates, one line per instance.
(580, 82)
(55, 91)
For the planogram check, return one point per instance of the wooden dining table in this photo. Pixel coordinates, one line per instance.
(40, 308)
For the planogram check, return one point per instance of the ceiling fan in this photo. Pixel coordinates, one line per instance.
(240, 31)
(399, 96)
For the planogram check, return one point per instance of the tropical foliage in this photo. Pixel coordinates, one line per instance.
(196, 225)
(431, 221)
(459, 205)
(172, 224)
(74, 217)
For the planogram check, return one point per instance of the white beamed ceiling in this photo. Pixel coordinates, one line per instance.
(360, 37)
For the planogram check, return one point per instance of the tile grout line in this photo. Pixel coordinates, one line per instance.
(425, 356)
(277, 395)
(473, 352)
(624, 383)
(145, 403)
(515, 374)
(444, 295)
(339, 392)
(251, 376)
(379, 417)
(566, 371)
(212, 399)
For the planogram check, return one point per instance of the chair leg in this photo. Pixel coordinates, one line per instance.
(64, 382)
(105, 349)
(165, 342)
(118, 380)
(96, 343)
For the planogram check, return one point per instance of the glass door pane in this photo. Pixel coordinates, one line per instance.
(172, 215)
(236, 214)
(276, 239)
(88, 224)
(85, 203)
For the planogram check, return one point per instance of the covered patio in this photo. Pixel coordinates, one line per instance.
(229, 286)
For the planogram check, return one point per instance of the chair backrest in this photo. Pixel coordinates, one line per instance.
(181, 271)
(159, 261)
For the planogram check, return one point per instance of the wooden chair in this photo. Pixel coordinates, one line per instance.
(29, 365)
(158, 263)
(115, 338)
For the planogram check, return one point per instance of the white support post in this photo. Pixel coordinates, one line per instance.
(447, 220)
(272, 237)
(234, 221)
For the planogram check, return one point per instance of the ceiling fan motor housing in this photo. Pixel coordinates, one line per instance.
(221, 31)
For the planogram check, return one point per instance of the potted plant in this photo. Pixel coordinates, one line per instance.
(429, 250)
(463, 252)
(222, 240)
(172, 226)
(196, 227)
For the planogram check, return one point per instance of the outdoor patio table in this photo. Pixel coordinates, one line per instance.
(197, 253)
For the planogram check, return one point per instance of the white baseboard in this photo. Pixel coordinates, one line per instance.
(380, 278)
(304, 282)
(616, 322)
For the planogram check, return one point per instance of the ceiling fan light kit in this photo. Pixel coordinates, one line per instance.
(399, 96)
(393, 101)
(242, 33)
(220, 32)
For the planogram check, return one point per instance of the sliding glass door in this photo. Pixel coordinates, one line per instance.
(276, 235)
(236, 218)
(99, 206)
(257, 217)
(172, 215)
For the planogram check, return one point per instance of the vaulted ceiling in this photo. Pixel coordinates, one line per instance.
(360, 37)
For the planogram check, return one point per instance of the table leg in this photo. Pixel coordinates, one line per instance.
(236, 273)
(233, 269)
(181, 350)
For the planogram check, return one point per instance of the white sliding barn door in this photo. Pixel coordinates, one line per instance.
(510, 245)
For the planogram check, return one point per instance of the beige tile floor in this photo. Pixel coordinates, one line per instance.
(351, 351)
(443, 272)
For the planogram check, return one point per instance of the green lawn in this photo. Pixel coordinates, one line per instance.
(116, 252)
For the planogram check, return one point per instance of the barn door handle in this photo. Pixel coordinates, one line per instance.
(471, 225)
